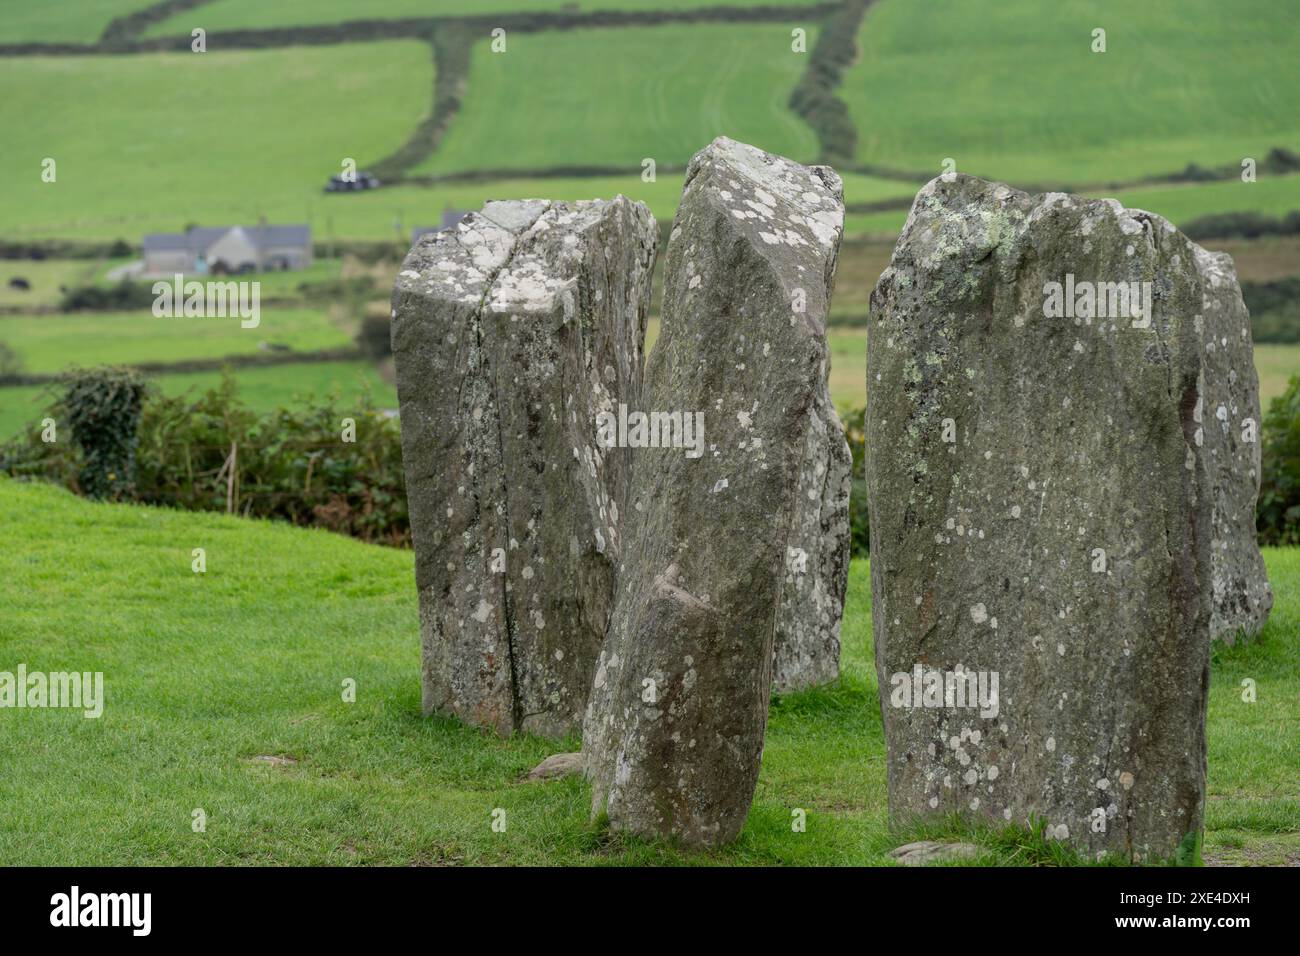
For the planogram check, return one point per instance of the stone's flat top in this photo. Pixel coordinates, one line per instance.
(497, 249)
(947, 212)
(751, 184)
(514, 215)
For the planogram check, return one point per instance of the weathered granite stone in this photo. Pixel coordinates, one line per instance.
(510, 332)
(1229, 417)
(925, 852)
(556, 766)
(674, 729)
(1041, 516)
(807, 643)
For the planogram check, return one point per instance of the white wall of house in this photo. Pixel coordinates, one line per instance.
(235, 249)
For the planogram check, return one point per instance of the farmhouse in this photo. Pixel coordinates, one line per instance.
(228, 249)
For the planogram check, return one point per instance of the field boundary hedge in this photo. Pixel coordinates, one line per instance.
(815, 98)
(419, 28)
(125, 28)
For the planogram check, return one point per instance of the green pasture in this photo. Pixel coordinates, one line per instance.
(618, 96)
(61, 21)
(1012, 90)
(155, 142)
(51, 343)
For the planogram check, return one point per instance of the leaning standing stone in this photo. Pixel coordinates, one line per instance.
(807, 642)
(510, 332)
(1229, 429)
(1041, 517)
(674, 729)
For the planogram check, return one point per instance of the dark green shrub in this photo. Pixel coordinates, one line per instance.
(375, 336)
(1274, 309)
(1245, 225)
(101, 408)
(123, 295)
(1278, 515)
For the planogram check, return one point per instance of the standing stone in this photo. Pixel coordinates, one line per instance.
(807, 643)
(1041, 517)
(1229, 418)
(510, 332)
(674, 729)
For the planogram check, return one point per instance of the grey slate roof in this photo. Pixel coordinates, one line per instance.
(198, 239)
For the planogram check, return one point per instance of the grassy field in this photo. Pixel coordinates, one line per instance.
(158, 141)
(1013, 92)
(255, 14)
(46, 276)
(64, 21)
(262, 389)
(206, 674)
(50, 343)
(663, 93)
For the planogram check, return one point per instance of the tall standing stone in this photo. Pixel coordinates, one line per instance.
(807, 641)
(511, 332)
(674, 729)
(1229, 420)
(1041, 516)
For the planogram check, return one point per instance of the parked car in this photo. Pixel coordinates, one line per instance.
(338, 183)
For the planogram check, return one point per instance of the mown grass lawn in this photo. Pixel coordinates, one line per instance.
(205, 674)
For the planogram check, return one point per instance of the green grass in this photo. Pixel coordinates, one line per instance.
(219, 137)
(51, 343)
(45, 276)
(617, 96)
(262, 389)
(64, 21)
(205, 673)
(256, 14)
(1012, 91)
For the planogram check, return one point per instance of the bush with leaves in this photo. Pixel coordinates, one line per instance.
(124, 295)
(328, 465)
(1277, 518)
